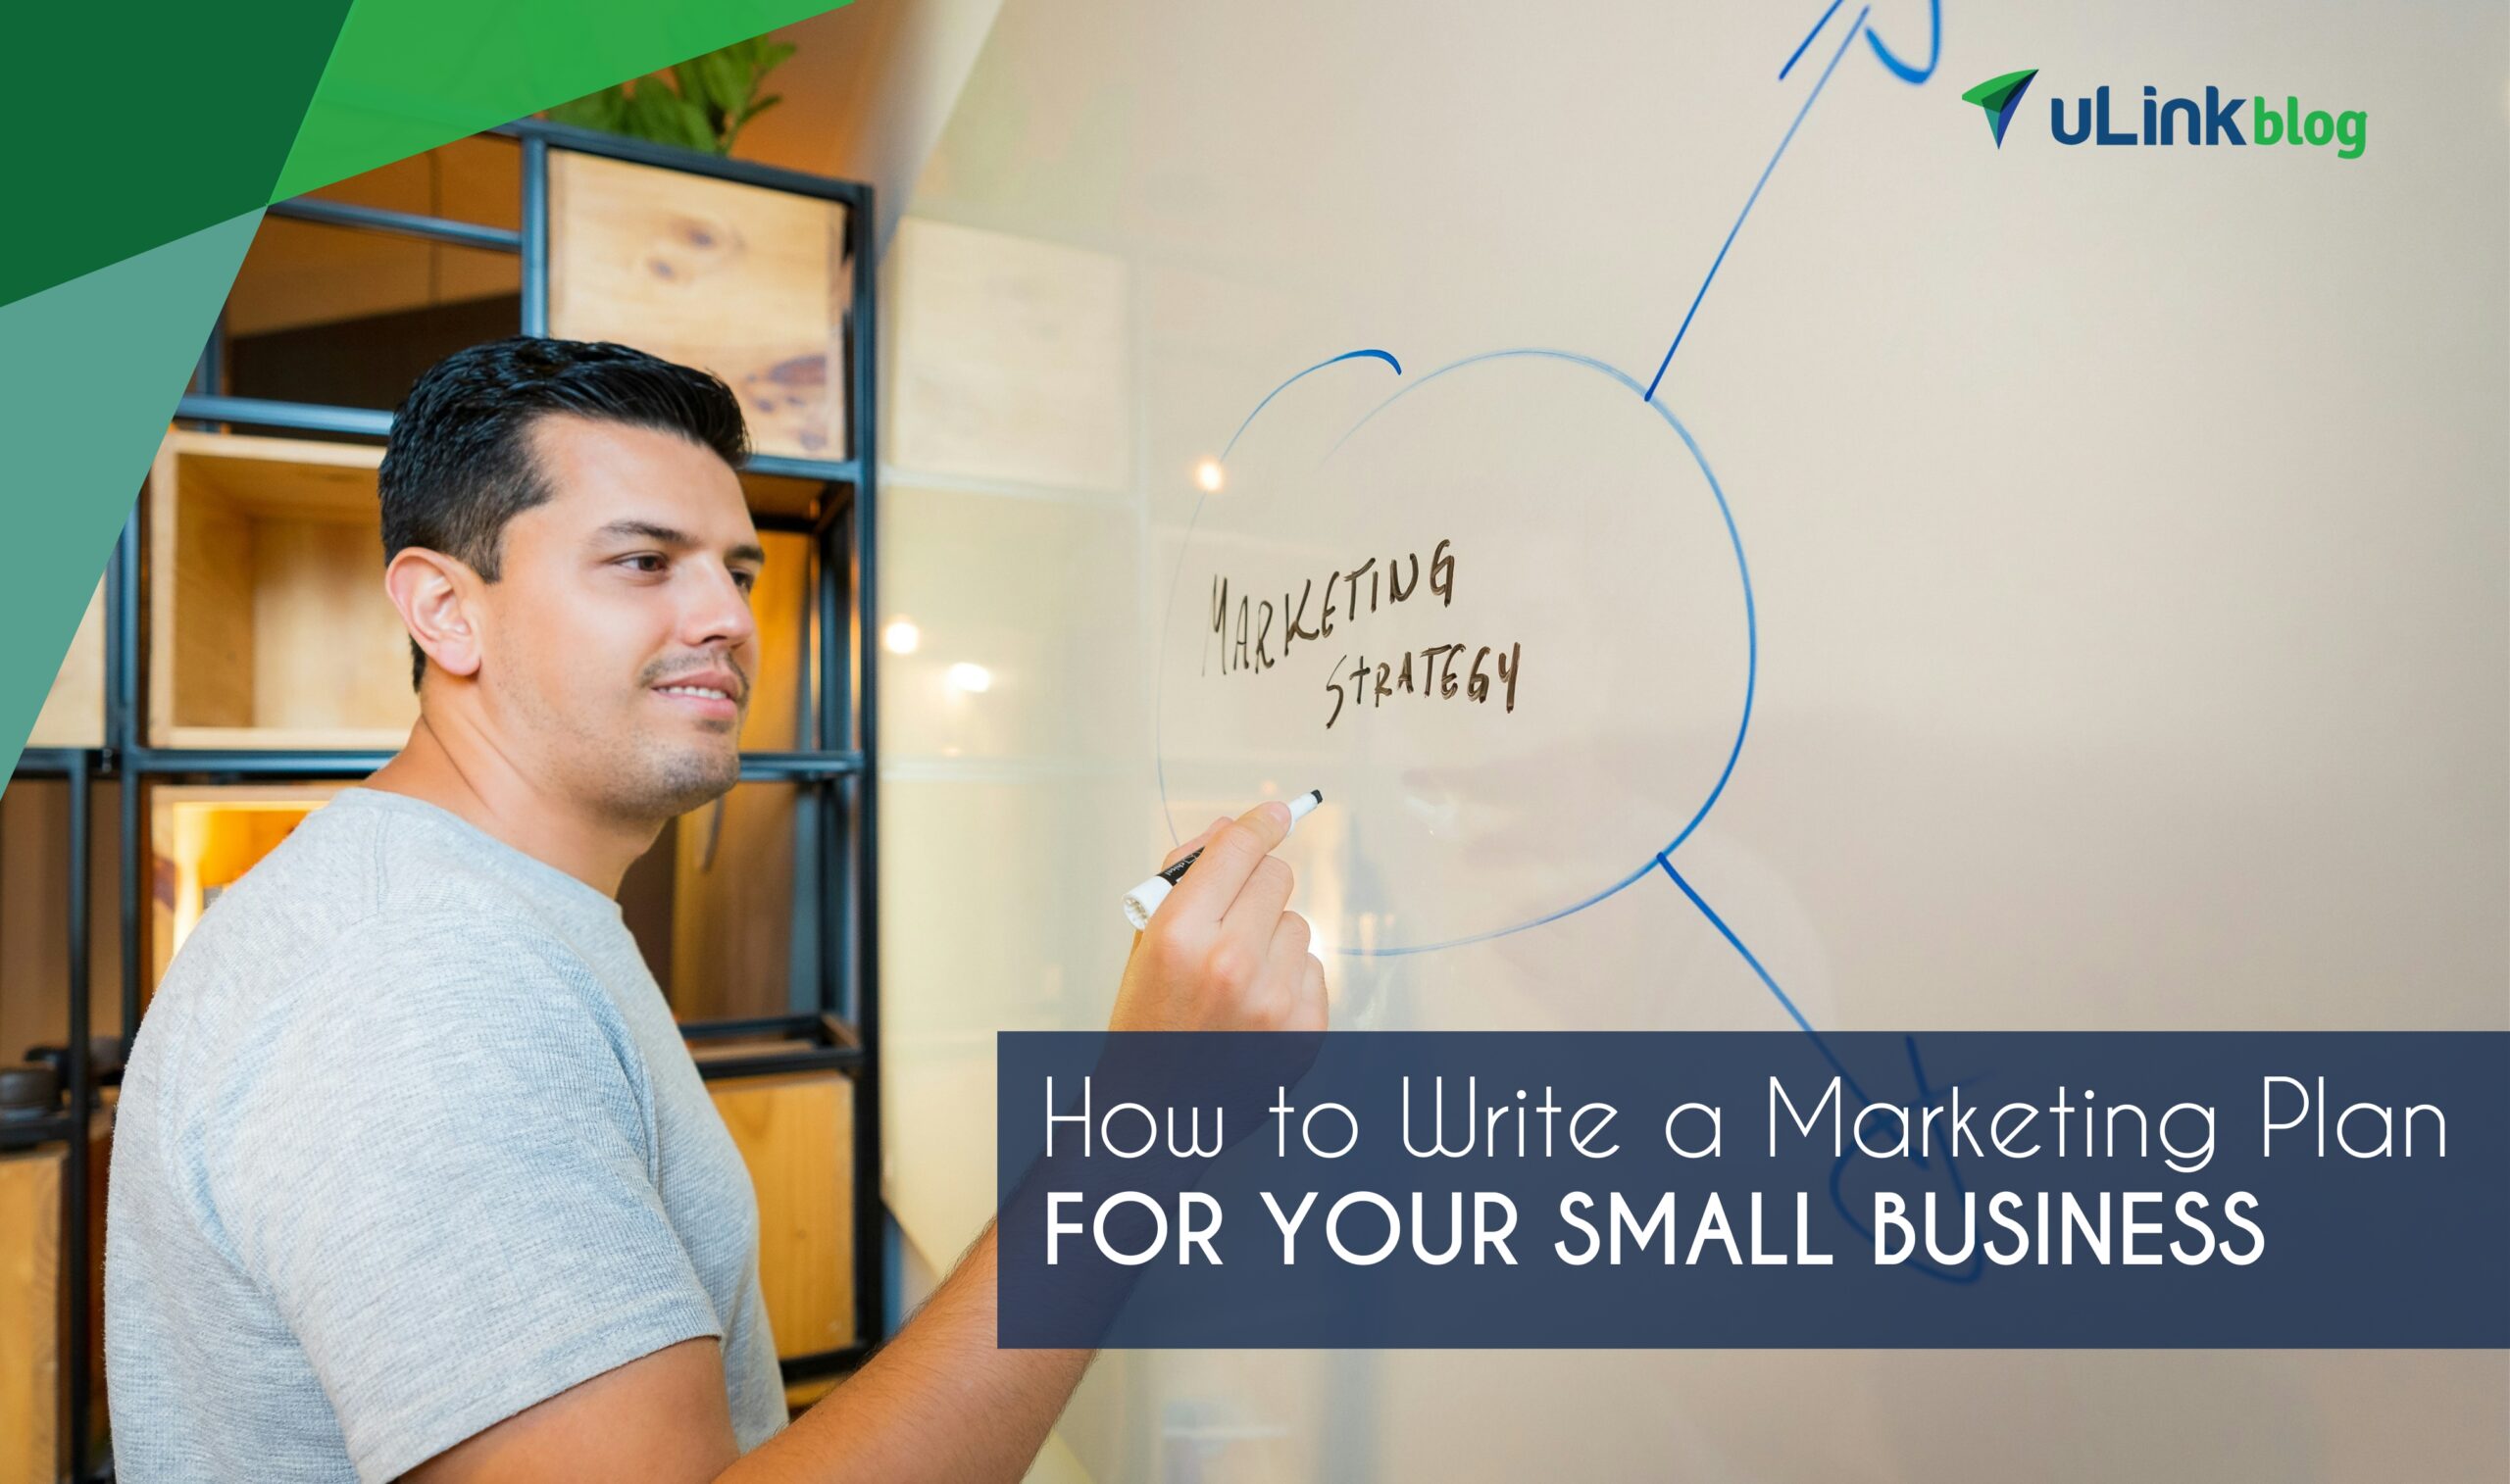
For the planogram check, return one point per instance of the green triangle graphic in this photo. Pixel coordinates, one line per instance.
(143, 122)
(409, 74)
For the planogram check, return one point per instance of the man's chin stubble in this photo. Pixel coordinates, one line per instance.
(678, 784)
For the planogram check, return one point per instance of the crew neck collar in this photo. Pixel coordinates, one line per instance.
(514, 861)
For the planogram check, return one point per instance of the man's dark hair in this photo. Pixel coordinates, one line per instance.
(459, 463)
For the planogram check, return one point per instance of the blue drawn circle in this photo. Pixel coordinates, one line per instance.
(1742, 569)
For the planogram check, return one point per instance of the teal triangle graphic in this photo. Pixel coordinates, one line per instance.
(82, 421)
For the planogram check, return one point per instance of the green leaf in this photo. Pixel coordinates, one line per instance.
(657, 114)
(728, 82)
(703, 105)
(691, 86)
(697, 130)
(734, 132)
(605, 109)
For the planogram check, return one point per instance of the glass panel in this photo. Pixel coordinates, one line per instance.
(1007, 626)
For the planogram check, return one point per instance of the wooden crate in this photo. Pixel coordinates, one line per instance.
(33, 1299)
(782, 698)
(30, 1441)
(268, 623)
(34, 913)
(712, 905)
(751, 284)
(206, 836)
(73, 710)
(796, 1134)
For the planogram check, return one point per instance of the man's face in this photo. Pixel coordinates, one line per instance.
(619, 650)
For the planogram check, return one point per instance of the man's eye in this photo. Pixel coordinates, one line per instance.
(639, 559)
(746, 581)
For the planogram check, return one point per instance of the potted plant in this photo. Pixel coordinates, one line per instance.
(715, 96)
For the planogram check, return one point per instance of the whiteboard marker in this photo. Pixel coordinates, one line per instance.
(1143, 900)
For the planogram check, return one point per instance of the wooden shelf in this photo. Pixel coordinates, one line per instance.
(780, 494)
(801, 1396)
(269, 628)
(712, 906)
(292, 738)
(30, 1313)
(304, 274)
(268, 623)
(205, 838)
(34, 908)
(795, 1132)
(31, 1445)
(263, 629)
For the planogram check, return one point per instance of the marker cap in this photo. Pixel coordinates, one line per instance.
(1143, 900)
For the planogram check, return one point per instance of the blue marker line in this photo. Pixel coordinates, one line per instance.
(1856, 26)
(1913, 76)
(1808, 39)
(1927, 1094)
(1751, 645)
(1348, 355)
(1718, 923)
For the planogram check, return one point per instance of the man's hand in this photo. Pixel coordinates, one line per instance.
(1223, 952)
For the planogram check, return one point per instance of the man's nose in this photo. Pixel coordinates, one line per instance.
(719, 611)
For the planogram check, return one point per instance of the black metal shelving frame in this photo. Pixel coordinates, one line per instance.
(842, 1032)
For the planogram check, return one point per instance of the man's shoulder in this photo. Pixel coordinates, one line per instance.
(349, 886)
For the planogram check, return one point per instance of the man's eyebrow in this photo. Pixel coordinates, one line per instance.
(646, 530)
(750, 551)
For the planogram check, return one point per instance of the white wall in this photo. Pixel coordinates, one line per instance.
(2128, 529)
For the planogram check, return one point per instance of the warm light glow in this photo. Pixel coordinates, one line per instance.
(972, 678)
(901, 636)
(1207, 474)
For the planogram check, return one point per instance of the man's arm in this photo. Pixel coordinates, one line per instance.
(939, 1402)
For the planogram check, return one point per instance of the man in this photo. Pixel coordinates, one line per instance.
(414, 1175)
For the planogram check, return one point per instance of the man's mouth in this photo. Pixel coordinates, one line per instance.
(712, 697)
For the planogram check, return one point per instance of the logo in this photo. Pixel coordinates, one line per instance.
(2222, 117)
(2000, 96)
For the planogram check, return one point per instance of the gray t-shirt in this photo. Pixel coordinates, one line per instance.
(409, 1142)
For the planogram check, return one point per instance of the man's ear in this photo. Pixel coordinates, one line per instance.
(437, 596)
